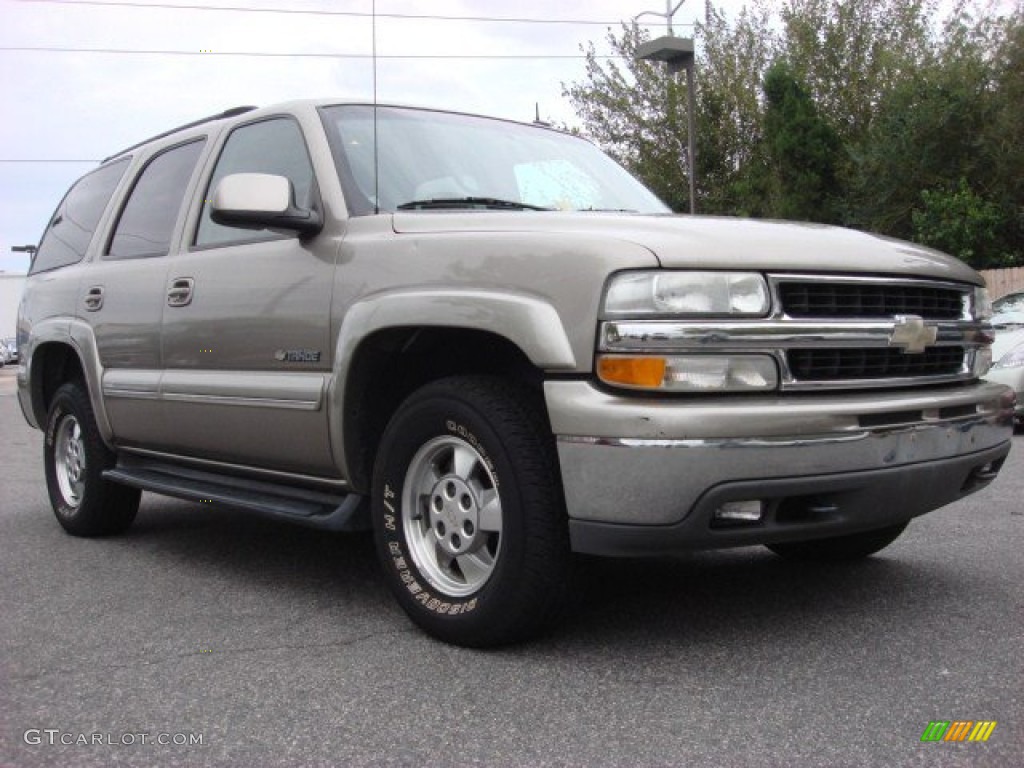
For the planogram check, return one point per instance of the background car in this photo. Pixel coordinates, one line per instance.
(1008, 361)
(1008, 321)
(10, 344)
(1011, 302)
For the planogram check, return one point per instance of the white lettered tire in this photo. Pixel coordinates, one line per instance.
(469, 520)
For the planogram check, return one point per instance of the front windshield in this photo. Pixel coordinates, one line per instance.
(439, 156)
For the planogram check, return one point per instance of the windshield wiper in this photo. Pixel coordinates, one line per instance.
(470, 202)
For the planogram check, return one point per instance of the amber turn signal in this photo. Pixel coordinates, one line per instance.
(647, 372)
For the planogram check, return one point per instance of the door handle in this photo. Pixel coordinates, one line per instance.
(94, 298)
(180, 292)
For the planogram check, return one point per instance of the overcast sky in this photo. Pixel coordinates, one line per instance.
(61, 106)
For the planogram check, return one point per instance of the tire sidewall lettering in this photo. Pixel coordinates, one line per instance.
(422, 594)
(458, 430)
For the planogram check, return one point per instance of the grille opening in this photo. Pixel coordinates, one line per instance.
(881, 363)
(958, 411)
(874, 420)
(839, 300)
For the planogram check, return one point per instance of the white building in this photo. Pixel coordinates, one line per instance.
(11, 286)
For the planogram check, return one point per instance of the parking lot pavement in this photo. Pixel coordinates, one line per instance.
(274, 645)
(8, 379)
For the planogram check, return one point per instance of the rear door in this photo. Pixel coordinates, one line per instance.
(245, 335)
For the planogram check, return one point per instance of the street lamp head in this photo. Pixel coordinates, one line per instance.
(676, 52)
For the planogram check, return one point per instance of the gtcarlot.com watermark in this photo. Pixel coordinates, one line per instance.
(54, 736)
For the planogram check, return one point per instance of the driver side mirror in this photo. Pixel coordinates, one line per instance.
(261, 201)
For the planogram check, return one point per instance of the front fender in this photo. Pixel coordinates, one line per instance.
(530, 323)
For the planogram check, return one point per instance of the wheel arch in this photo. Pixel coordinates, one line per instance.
(390, 346)
(57, 358)
(391, 364)
(53, 363)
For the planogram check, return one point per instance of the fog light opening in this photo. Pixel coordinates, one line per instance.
(745, 512)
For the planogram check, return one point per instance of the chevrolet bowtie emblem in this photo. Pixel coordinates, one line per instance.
(910, 333)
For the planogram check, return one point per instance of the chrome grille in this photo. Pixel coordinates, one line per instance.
(834, 332)
(868, 299)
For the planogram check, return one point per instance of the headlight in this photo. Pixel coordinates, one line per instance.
(982, 304)
(723, 294)
(1012, 359)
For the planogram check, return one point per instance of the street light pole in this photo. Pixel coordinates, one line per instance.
(29, 249)
(677, 53)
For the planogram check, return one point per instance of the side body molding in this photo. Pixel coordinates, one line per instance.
(529, 322)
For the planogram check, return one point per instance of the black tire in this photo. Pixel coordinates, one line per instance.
(853, 547)
(469, 518)
(75, 457)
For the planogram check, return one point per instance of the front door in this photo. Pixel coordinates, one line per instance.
(245, 342)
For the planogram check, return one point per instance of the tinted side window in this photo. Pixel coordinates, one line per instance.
(272, 146)
(71, 229)
(148, 218)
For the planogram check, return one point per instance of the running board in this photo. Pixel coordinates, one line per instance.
(316, 509)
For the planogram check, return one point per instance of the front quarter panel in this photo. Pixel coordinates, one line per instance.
(539, 290)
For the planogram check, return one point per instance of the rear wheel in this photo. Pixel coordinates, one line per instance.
(75, 457)
(852, 547)
(468, 514)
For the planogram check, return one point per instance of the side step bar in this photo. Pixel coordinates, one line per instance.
(316, 509)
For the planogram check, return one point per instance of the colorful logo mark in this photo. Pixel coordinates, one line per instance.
(958, 730)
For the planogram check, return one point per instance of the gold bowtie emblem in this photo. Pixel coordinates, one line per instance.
(910, 333)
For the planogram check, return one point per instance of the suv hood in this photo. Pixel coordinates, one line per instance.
(711, 242)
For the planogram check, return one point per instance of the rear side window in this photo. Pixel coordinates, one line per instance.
(71, 229)
(148, 218)
(272, 146)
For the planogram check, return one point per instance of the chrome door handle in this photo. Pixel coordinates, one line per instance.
(94, 298)
(180, 292)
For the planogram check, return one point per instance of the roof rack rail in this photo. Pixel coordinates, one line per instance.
(226, 113)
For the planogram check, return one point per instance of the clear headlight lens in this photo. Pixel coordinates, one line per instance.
(688, 293)
(690, 373)
(1012, 359)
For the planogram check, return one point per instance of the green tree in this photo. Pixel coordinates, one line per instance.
(732, 161)
(637, 112)
(960, 222)
(833, 110)
(634, 110)
(803, 150)
(849, 53)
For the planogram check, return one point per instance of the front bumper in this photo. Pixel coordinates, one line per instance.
(645, 476)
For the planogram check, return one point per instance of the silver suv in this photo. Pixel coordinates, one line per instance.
(491, 344)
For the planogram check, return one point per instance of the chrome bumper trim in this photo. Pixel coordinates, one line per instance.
(649, 462)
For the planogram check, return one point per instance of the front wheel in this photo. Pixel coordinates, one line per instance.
(74, 458)
(852, 547)
(469, 519)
